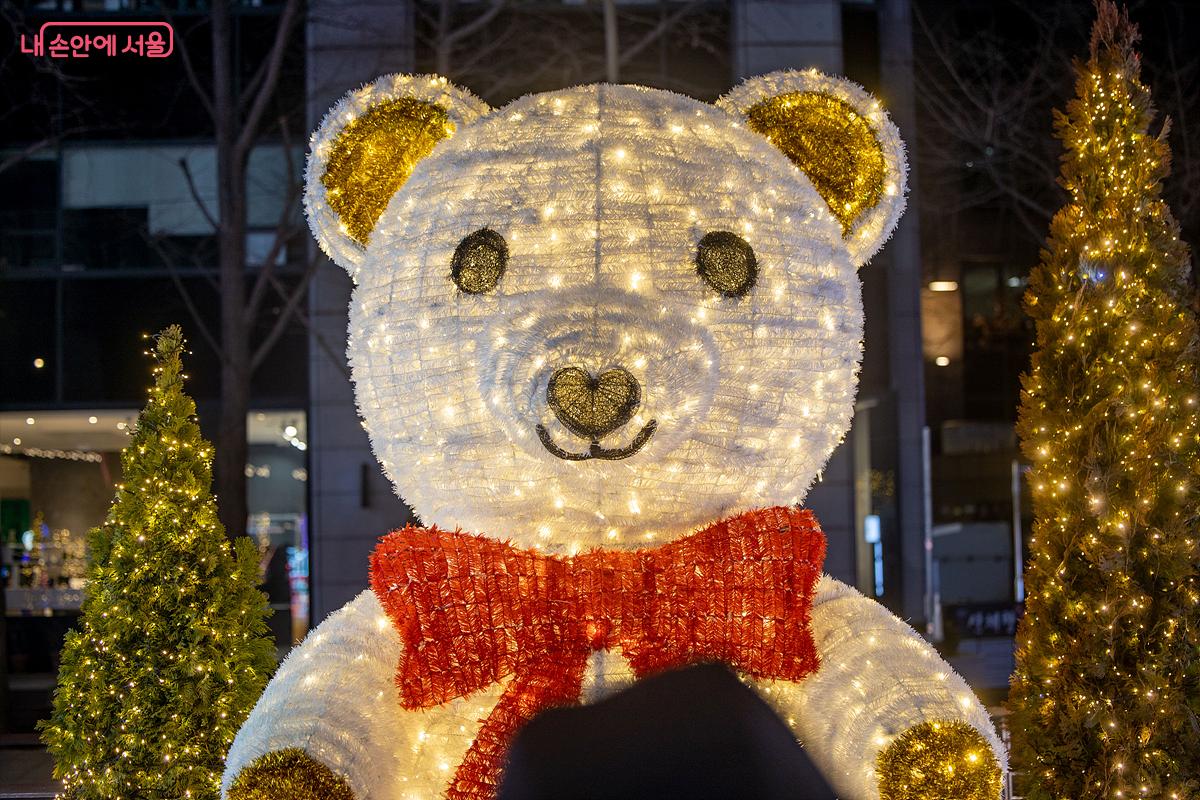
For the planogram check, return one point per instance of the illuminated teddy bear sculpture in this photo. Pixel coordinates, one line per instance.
(603, 341)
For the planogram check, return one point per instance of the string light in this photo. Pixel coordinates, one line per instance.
(593, 321)
(39, 452)
(172, 647)
(1106, 666)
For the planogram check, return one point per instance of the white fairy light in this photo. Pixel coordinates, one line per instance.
(749, 394)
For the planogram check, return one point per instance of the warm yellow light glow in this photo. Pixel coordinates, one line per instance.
(719, 394)
(1112, 575)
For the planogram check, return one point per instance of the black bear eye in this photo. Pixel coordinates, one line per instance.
(479, 261)
(726, 263)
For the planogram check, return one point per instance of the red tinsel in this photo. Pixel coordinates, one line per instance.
(472, 610)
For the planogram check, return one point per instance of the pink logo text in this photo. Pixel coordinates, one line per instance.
(98, 38)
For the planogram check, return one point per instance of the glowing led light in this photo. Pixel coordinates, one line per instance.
(598, 273)
(1114, 431)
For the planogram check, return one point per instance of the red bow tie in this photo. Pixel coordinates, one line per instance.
(472, 611)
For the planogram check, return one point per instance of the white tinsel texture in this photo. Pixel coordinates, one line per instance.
(557, 241)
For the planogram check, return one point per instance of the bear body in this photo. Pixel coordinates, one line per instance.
(597, 321)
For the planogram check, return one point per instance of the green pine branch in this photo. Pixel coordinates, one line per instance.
(1106, 693)
(172, 649)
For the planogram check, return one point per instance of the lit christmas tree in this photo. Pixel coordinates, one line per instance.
(1106, 695)
(172, 649)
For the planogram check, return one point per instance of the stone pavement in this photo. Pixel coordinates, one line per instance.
(25, 769)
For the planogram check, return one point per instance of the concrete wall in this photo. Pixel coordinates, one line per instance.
(786, 34)
(797, 34)
(907, 378)
(349, 42)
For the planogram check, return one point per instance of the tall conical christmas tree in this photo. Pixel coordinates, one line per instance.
(172, 648)
(1106, 694)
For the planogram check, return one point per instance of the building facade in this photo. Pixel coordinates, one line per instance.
(871, 496)
(104, 236)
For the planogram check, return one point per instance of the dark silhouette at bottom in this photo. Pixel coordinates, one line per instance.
(695, 733)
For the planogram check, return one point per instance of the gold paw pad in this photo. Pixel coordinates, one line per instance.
(938, 761)
(289, 775)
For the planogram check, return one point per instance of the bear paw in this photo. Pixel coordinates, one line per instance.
(288, 775)
(938, 761)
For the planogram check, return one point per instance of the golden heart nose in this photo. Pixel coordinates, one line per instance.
(592, 406)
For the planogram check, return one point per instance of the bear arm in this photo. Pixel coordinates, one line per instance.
(318, 724)
(878, 681)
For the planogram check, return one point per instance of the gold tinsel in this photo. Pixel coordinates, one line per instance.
(938, 759)
(289, 773)
(726, 262)
(592, 406)
(832, 143)
(479, 261)
(374, 155)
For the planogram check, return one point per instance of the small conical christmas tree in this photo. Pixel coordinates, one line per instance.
(1106, 694)
(172, 648)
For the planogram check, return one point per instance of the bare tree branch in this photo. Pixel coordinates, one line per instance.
(448, 36)
(284, 230)
(664, 25)
(16, 158)
(486, 52)
(184, 292)
(266, 87)
(282, 237)
(199, 201)
(948, 62)
(190, 69)
(987, 98)
(291, 303)
(338, 359)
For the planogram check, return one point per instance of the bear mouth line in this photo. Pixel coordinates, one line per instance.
(595, 450)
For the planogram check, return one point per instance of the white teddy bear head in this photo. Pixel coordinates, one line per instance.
(608, 315)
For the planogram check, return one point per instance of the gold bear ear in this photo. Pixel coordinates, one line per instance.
(367, 147)
(842, 140)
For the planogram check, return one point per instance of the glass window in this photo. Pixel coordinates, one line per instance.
(103, 323)
(28, 208)
(119, 238)
(58, 474)
(105, 238)
(27, 341)
(277, 497)
(996, 337)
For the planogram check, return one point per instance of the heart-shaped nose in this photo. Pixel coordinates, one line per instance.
(593, 406)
